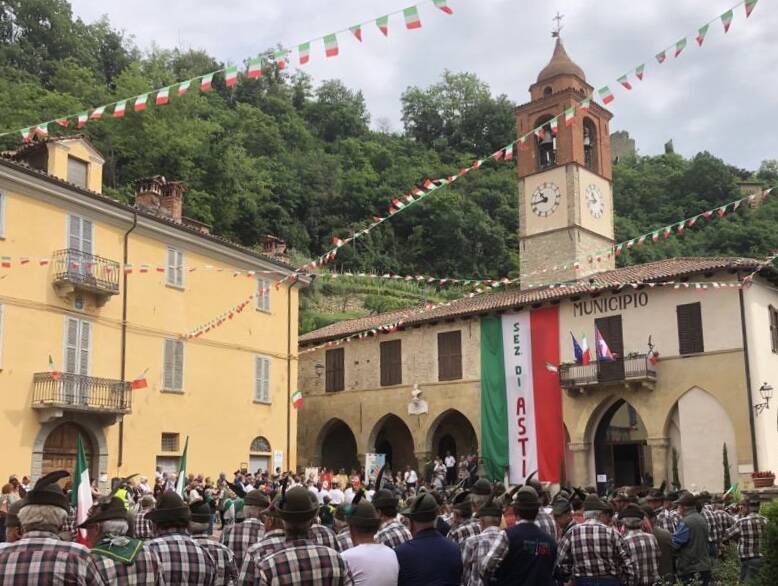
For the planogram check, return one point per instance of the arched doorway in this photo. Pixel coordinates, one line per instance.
(338, 447)
(392, 437)
(621, 455)
(61, 446)
(453, 432)
(259, 455)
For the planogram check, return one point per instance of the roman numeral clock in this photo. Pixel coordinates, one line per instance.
(545, 199)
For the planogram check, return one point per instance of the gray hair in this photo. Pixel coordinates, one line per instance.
(195, 527)
(632, 523)
(591, 515)
(42, 517)
(114, 527)
(251, 511)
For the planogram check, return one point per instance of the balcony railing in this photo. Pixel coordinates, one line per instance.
(74, 269)
(634, 368)
(77, 392)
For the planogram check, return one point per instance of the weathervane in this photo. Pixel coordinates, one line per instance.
(556, 33)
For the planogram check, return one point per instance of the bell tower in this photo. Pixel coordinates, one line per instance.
(565, 178)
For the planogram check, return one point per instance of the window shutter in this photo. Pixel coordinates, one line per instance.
(266, 380)
(262, 379)
(87, 235)
(774, 328)
(171, 266)
(84, 347)
(263, 294)
(335, 370)
(168, 366)
(179, 268)
(71, 345)
(178, 372)
(449, 356)
(74, 232)
(257, 378)
(690, 339)
(391, 363)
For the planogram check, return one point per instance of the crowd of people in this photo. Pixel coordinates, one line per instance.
(401, 529)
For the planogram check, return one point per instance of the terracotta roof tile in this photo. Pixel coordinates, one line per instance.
(513, 298)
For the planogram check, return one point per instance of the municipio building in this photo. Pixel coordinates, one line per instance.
(629, 421)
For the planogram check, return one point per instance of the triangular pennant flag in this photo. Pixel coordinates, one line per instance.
(540, 133)
(624, 80)
(441, 4)
(585, 104)
(356, 30)
(206, 82)
(63, 122)
(554, 123)
(119, 109)
(569, 116)
(640, 71)
(679, 47)
(331, 45)
(660, 57)
(304, 51)
(26, 134)
(411, 15)
(97, 113)
(701, 34)
(605, 95)
(382, 22)
(163, 96)
(726, 20)
(231, 75)
(82, 118)
(42, 130)
(255, 67)
(140, 102)
(281, 58)
(750, 5)
(499, 154)
(183, 87)
(508, 152)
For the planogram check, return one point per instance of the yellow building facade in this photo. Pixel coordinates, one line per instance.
(108, 291)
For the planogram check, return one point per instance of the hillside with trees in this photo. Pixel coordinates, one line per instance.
(278, 155)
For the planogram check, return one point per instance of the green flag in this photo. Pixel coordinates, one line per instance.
(181, 479)
(494, 406)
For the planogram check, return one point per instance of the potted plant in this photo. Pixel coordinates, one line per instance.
(763, 479)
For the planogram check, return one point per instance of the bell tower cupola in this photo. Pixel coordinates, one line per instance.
(564, 177)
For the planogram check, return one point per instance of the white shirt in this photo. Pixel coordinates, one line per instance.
(336, 496)
(411, 477)
(451, 461)
(322, 493)
(348, 495)
(372, 564)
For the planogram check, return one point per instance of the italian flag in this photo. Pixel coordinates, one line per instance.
(605, 95)
(585, 104)
(508, 152)
(331, 45)
(661, 56)
(139, 382)
(163, 96)
(81, 495)
(726, 20)
(297, 399)
(26, 134)
(119, 109)
(382, 22)
(206, 82)
(411, 15)
(640, 71)
(53, 372)
(521, 399)
(569, 116)
(255, 67)
(624, 80)
(441, 4)
(750, 5)
(304, 50)
(679, 47)
(231, 75)
(280, 57)
(183, 87)
(42, 130)
(140, 102)
(356, 30)
(97, 113)
(63, 122)
(554, 122)
(181, 478)
(82, 118)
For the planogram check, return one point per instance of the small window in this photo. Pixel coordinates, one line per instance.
(175, 267)
(263, 295)
(260, 445)
(169, 442)
(262, 379)
(173, 372)
(547, 91)
(391, 363)
(334, 370)
(690, 339)
(77, 171)
(168, 464)
(2, 215)
(450, 355)
(773, 328)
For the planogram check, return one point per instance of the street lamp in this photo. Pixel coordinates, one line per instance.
(767, 393)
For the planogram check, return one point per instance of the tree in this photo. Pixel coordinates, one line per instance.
(768, 171)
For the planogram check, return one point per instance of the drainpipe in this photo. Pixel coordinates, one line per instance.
(748, 376)
(123, 366)
(289, 375)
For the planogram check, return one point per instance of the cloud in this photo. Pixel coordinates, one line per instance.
(718, 98)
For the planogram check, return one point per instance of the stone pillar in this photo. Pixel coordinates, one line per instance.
(580, 468)
(659, 447)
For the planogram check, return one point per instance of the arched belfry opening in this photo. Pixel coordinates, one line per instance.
(590, 145)
(546, 143)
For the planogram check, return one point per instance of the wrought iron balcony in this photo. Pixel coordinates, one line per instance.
(635, 368)
(76, 270)
(76, 392)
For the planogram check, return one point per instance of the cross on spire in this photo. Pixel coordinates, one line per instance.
(558, 29)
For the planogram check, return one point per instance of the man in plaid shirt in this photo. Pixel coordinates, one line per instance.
(477, 546)
(643, 547)
(183, 560)
(302, 562)
(724, 521)
(273, 540)
(120, 559)
(594, 553)
(466, 525)
(226, 570)
(144, 529)
(391, 532)
(666, 517)
(749, 531)
(40, 557)
(240, 536)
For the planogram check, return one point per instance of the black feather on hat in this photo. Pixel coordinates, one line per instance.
(239, 492)
(47, 492)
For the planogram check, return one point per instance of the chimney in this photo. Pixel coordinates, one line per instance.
(160, 197)
(148, 193)
(173, 200)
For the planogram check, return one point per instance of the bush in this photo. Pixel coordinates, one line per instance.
(769, 574)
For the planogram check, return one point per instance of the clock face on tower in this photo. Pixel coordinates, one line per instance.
(594, 201)
(545, 200)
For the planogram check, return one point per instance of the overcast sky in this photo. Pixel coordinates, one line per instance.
(722, 98)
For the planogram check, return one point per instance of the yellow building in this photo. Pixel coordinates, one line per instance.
(67, 292)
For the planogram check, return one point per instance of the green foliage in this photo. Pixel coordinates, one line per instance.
(725, 463)
(676, 476)
(769, 573)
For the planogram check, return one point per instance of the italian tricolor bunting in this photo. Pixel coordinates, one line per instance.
(640, 71)
(331, 45)
(726, 20)
(97, 113)
(82, 118)
(206, 82)
(53, 372)
(163, 96)
(183, 87)
(701, 34)
(508, 152)
(569, 116)
(119, 109)
(231, 75)
(81, 494)
(605, 95)
(750, 5)
(304, 51)
(624, 80)
(412, 19)
(679, 47)
(521, 400)
(382, 22)
(356, 30)
(181, 478)
(255, 67)
(297, 399)
(140, 102)
(443, 6)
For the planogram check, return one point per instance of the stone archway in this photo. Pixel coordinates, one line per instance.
(392, 437)
(620, 446)
(451, 431)
(337, 446)
(55, 448)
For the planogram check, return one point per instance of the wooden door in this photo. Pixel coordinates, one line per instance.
(610, 329)
(59, 450)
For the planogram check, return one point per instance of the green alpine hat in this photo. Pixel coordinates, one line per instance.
(594, 503)
(364, 516)
(112, 509)
(561, 506)
(47, 492)
(490, 509)
(296, 505)
(526, 499)
(632, 512)
(461, 503)
(257, 498)
(482, 487)
(200, 512)
(170, 509)
(385, 499)
(687, 500)
(423, 508)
